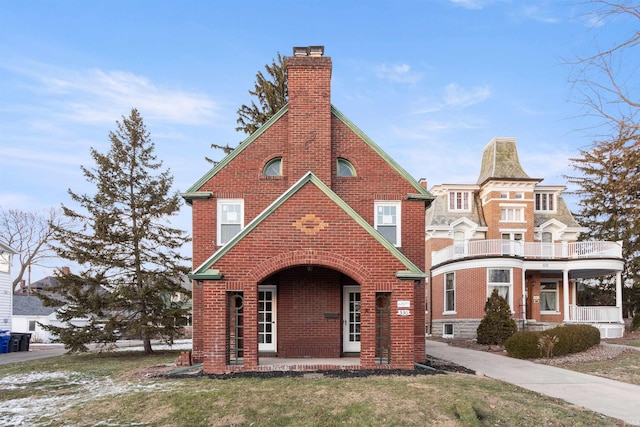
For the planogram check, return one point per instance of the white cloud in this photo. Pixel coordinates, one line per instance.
(98, 96)
(537, 13)
(469, 4)
(454, 96)
(459, 97)
(400, 73)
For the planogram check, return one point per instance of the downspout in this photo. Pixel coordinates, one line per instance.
(524, 298)
(430, 303)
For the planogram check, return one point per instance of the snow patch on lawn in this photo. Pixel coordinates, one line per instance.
(29, 411)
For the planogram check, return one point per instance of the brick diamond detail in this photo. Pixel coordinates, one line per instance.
(310, 224)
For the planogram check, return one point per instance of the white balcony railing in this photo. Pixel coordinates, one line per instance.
(584, 314)
(529, 250)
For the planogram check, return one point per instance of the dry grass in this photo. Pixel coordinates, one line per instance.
(114, 390)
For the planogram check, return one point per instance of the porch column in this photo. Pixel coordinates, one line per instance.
(565, 293)
(524, 297)
(619, 295)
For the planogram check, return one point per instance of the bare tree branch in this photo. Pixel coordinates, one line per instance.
(30, 234)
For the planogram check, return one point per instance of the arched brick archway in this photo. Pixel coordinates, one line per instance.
(310, 257)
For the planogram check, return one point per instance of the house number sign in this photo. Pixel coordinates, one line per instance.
(403, 312)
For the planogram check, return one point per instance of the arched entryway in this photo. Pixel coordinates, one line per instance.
(309, 312)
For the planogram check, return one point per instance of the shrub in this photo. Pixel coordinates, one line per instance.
(569, 339)
(523, 345)
(497, 325)
(635, 323)
(573, 338)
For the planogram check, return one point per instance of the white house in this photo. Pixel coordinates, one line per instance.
(28, 316)
(6, 291)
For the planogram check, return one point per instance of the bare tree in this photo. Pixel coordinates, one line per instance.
(606, 76)
(29, 233)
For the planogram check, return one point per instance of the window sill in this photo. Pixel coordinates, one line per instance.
(549, 312)
(449, 313)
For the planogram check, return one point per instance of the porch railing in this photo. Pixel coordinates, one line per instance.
(529, 250)
(586, 314)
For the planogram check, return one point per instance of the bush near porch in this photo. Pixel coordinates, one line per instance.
(570, 339)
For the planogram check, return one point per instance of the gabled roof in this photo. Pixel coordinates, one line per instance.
(30, 305)
(204, 271)
(194, 193)
(6, 248)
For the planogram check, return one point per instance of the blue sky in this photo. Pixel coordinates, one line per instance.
(431, 82)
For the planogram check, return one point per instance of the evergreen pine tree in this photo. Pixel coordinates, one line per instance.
(128, 255)
(497, 325)
(271, 95)
(609, 190)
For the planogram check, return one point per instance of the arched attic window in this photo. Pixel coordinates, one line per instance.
(345, 168)
(273, 167)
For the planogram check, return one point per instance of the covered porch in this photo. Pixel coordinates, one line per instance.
(551, 294)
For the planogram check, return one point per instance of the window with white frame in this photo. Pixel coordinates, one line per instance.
(511, 214)
(447, 330)
(449, 293)
(459, 200)
(5, 261)
(549, 297)
(545, 202)
(387, 220)
(230, 219)
(500, 279)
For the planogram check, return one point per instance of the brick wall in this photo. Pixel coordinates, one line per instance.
(308, 138)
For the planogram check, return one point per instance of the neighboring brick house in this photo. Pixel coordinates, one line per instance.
(511, 233)
(307, 243)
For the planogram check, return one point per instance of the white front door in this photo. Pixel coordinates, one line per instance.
(351, 319)
(267, 318)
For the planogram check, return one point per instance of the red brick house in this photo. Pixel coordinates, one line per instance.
(307, 244)
(509, 232)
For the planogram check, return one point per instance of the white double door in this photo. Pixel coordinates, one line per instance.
(267, 327)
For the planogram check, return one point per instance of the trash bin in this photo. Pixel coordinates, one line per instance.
(14, 342)
(4, 341)
(24, 342)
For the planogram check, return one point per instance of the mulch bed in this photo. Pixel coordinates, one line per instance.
(431, 366)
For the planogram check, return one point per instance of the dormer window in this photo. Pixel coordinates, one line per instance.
(273, 167)
(459, 201)
(545, 202)
(345, 168)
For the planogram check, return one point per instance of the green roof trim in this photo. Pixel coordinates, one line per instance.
(309, 177)
(410, 275)
(196, 195)
(379, 151)
(206, 275)
(422, 197)
(239, 149)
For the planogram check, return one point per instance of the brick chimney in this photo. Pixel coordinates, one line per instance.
(309, 116)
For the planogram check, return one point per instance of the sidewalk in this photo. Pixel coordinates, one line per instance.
(608, 397)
